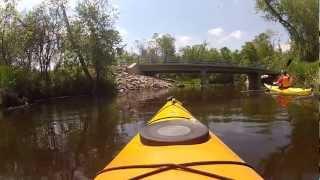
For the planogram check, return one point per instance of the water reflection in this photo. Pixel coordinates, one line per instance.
(299, 158)
(73, 139)
(58, 141)
(284, 101)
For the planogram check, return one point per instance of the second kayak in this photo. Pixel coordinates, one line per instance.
(174, 145)
(289, 91)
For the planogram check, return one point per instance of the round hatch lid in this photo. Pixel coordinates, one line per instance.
(174, 132)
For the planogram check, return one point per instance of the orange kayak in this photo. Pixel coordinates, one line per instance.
(174, 145)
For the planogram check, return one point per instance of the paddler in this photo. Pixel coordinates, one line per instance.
(284, 81)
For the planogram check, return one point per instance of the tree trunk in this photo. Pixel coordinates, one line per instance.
(74, 45)
(292, 30)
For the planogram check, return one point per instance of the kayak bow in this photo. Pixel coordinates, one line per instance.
(174, 145)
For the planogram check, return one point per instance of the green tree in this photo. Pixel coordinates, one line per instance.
(300, 18)
(264, 48)
(249, 54)
(148, 51)
(236, 56)
(102, 40)
(11, 33)
(166, 46)
(43, 43)
(97, 40)
(195, 53)
(44, 52)
(75, 47)
(213, 54)
(263, 45)
(226, 54)
(200, 52)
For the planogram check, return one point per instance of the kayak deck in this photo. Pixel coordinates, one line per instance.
(137, 153)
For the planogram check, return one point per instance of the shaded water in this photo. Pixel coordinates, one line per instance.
(74, 138)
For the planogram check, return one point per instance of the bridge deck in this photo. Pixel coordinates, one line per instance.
(198, 68)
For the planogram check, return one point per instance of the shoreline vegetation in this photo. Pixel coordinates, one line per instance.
(54, 51)
(124, 83)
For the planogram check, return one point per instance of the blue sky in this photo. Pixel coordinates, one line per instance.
(219, 22)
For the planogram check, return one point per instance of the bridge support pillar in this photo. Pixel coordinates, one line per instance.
(254, 81)
(150, 74)
(204, 78)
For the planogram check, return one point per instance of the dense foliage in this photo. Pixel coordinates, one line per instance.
(301, 20)
(45, 52)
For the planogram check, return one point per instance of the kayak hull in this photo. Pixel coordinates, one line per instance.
(137, 153)
(289, 91)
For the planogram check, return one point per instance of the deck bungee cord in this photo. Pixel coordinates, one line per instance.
(183, 166)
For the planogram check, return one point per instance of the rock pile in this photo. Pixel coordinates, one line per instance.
(126, 81)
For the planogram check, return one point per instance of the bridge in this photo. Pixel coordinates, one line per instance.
(253, 72)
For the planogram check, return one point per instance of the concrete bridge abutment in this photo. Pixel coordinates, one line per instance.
(254, 81)
(204, 78)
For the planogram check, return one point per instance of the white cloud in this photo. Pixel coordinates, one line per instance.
(218, 37)
(216, 31)
(182, 41)
(235, 34)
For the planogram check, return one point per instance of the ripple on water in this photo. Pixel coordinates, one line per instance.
(253, 141)
(282, 116)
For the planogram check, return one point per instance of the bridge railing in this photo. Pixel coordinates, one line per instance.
(209, 62)
(183, 61)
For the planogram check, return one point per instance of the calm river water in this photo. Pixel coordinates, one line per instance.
(74, 138)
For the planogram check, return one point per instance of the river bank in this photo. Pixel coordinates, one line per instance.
(124, 82)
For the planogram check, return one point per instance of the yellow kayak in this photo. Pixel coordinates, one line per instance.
(289, 91)
(174, 145)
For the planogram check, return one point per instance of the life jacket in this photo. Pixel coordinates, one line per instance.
(286, 81)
